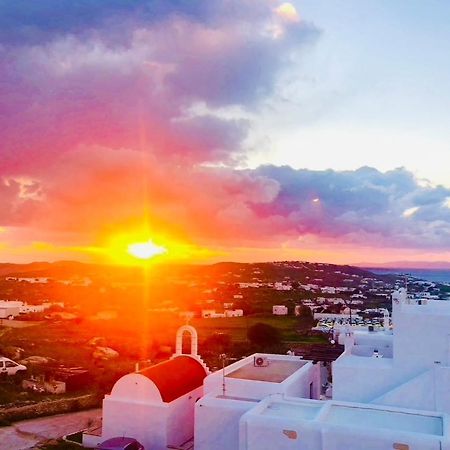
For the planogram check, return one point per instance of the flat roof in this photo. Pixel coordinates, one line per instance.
(275, 371)
(287, 409)
(355, 415)
(376, 418)
(241, 399)
(351, 360)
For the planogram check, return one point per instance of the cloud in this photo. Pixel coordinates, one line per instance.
(25, 22)
(19, 200)
(365, 206)
(101, 131)
(120, 74)
(107, 190)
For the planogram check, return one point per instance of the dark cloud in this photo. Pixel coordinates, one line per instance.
(33, 22)
(126, 74)
(363, 206)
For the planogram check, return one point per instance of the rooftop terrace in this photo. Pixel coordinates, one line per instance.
(275, 371)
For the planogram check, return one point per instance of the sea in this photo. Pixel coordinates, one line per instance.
(436, 275)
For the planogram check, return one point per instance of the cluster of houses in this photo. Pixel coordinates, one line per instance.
(10, 309)
(348, 282)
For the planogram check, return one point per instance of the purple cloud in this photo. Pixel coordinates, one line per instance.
(116, 74)
(390, 208)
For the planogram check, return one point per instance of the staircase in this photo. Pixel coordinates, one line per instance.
(188, 445)
(416, 393)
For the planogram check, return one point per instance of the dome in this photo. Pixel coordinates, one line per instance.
(176, 377)
(165, 381)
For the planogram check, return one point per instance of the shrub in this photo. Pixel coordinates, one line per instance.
(217, 343)
(263, 335)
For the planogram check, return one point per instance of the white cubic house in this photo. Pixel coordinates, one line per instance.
(279, 310)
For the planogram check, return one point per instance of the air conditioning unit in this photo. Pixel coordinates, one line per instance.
(260, 361)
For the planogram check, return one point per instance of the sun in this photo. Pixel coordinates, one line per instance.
(145, 250)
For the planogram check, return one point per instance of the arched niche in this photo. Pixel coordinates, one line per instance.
(179, 341)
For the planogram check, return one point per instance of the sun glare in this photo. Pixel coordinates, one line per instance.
(145, 250)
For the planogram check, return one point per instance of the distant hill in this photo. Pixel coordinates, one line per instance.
(59, 269)
(407, 265)
(266, 271)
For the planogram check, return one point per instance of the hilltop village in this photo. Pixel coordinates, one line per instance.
(203, 291)
(78, 328)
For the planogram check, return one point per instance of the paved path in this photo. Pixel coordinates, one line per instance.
(27, 433)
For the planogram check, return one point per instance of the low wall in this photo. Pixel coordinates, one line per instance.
(49, 408)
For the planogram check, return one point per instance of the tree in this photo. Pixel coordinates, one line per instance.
(305, 314)
(263, 335)
(305, 319)
(217, 343)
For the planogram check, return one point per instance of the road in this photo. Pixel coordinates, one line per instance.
(26, 434)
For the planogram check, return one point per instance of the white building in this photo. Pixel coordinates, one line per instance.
(280, 286)
(234, 312)
(15, 307)
(156, 404)
(239, 388)
(42, 280)
(211, 314)
(328, 290)
(251, 285)
(279, 310)
(414, 371)
(9, 309)
(310, 287)
(331, 316)
(26, 308)
(391, 390)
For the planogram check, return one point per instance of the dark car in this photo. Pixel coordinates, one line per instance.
(120, 443)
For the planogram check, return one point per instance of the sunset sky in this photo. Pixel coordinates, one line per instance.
(238, 130)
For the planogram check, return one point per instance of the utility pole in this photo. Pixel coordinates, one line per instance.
(223, 357)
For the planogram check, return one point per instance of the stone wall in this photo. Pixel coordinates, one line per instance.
(48, 408)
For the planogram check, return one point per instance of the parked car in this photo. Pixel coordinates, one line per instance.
(120, 443)
(9, 367)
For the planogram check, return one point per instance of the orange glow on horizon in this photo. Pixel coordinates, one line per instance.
(136, 247)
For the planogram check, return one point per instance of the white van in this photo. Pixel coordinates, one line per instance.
(9, 367)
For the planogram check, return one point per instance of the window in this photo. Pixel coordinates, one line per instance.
(11, 364)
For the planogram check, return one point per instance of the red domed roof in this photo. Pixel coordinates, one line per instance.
(176, 377)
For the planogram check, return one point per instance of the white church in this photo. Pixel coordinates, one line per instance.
(391, 390)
